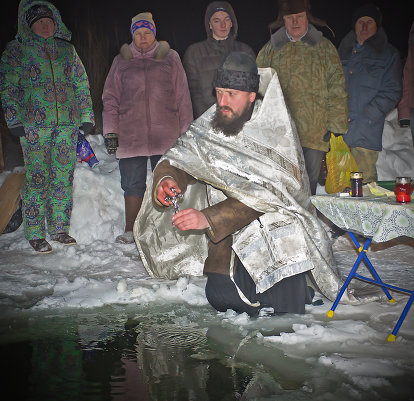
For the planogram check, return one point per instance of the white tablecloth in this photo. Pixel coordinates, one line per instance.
(379, 218)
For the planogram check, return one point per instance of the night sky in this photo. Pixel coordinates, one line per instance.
(181, 22)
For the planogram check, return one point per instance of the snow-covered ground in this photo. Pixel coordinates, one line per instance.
(347, 356)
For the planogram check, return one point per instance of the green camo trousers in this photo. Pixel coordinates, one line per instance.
(49, 158)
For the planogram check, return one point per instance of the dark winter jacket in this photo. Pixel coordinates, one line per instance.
(373, 81)
(42, 81)
(201, 60)
(146, 100)
(225, 218)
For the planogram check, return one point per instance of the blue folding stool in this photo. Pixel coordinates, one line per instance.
(362, 254)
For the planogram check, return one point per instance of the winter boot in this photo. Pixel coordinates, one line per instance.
(40, 245)
(132, 206)
(63, 238)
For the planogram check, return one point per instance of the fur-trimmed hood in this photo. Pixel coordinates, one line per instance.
(280, 38)
(158, 50)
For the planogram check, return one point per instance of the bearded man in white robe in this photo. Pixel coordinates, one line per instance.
(245, 219)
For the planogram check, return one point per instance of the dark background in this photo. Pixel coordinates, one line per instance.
(181, 22)
(99, 28)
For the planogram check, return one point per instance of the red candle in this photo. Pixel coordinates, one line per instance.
(403, 189)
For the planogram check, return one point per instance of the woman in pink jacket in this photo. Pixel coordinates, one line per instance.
(147, 104)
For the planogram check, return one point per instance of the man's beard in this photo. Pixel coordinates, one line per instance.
(230, 126)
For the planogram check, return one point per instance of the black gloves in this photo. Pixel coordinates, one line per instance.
(111, 143)
(404, 123)
(17, 130)
(86, 128)
(327, 136)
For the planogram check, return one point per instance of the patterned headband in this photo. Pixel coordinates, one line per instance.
(143, 24)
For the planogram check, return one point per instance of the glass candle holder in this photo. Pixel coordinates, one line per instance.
(403, 189)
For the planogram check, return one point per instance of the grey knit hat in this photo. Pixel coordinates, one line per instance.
(238, 71)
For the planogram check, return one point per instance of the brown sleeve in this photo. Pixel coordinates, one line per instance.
(227, 217)
(163, 170)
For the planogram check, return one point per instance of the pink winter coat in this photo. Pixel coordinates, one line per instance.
(146, 100)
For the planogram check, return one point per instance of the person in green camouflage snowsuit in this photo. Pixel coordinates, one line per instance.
(46, 99)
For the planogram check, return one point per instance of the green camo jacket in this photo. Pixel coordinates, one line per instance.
(313, 84)
(43, 82)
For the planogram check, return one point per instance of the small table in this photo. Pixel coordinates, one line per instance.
(377, 219)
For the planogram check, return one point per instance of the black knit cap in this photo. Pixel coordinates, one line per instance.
(37, 12)
(367, 10)
(217, 6)
(238, 71)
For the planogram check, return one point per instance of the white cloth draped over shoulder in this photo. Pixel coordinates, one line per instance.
(262, 167)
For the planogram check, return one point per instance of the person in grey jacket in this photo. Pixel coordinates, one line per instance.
(373, 79)
(201, 59)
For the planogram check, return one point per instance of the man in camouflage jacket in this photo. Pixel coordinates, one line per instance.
(312, 80)
(45, 98)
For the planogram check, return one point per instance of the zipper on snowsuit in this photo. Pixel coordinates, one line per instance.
(53, 80)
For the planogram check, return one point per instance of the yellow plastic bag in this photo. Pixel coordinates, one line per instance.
(340, 163)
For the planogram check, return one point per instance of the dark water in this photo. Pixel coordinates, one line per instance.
(115, 354)
(162, 352)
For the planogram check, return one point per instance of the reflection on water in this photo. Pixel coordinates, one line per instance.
(164, 355)
(164, 352)
(116, 354)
